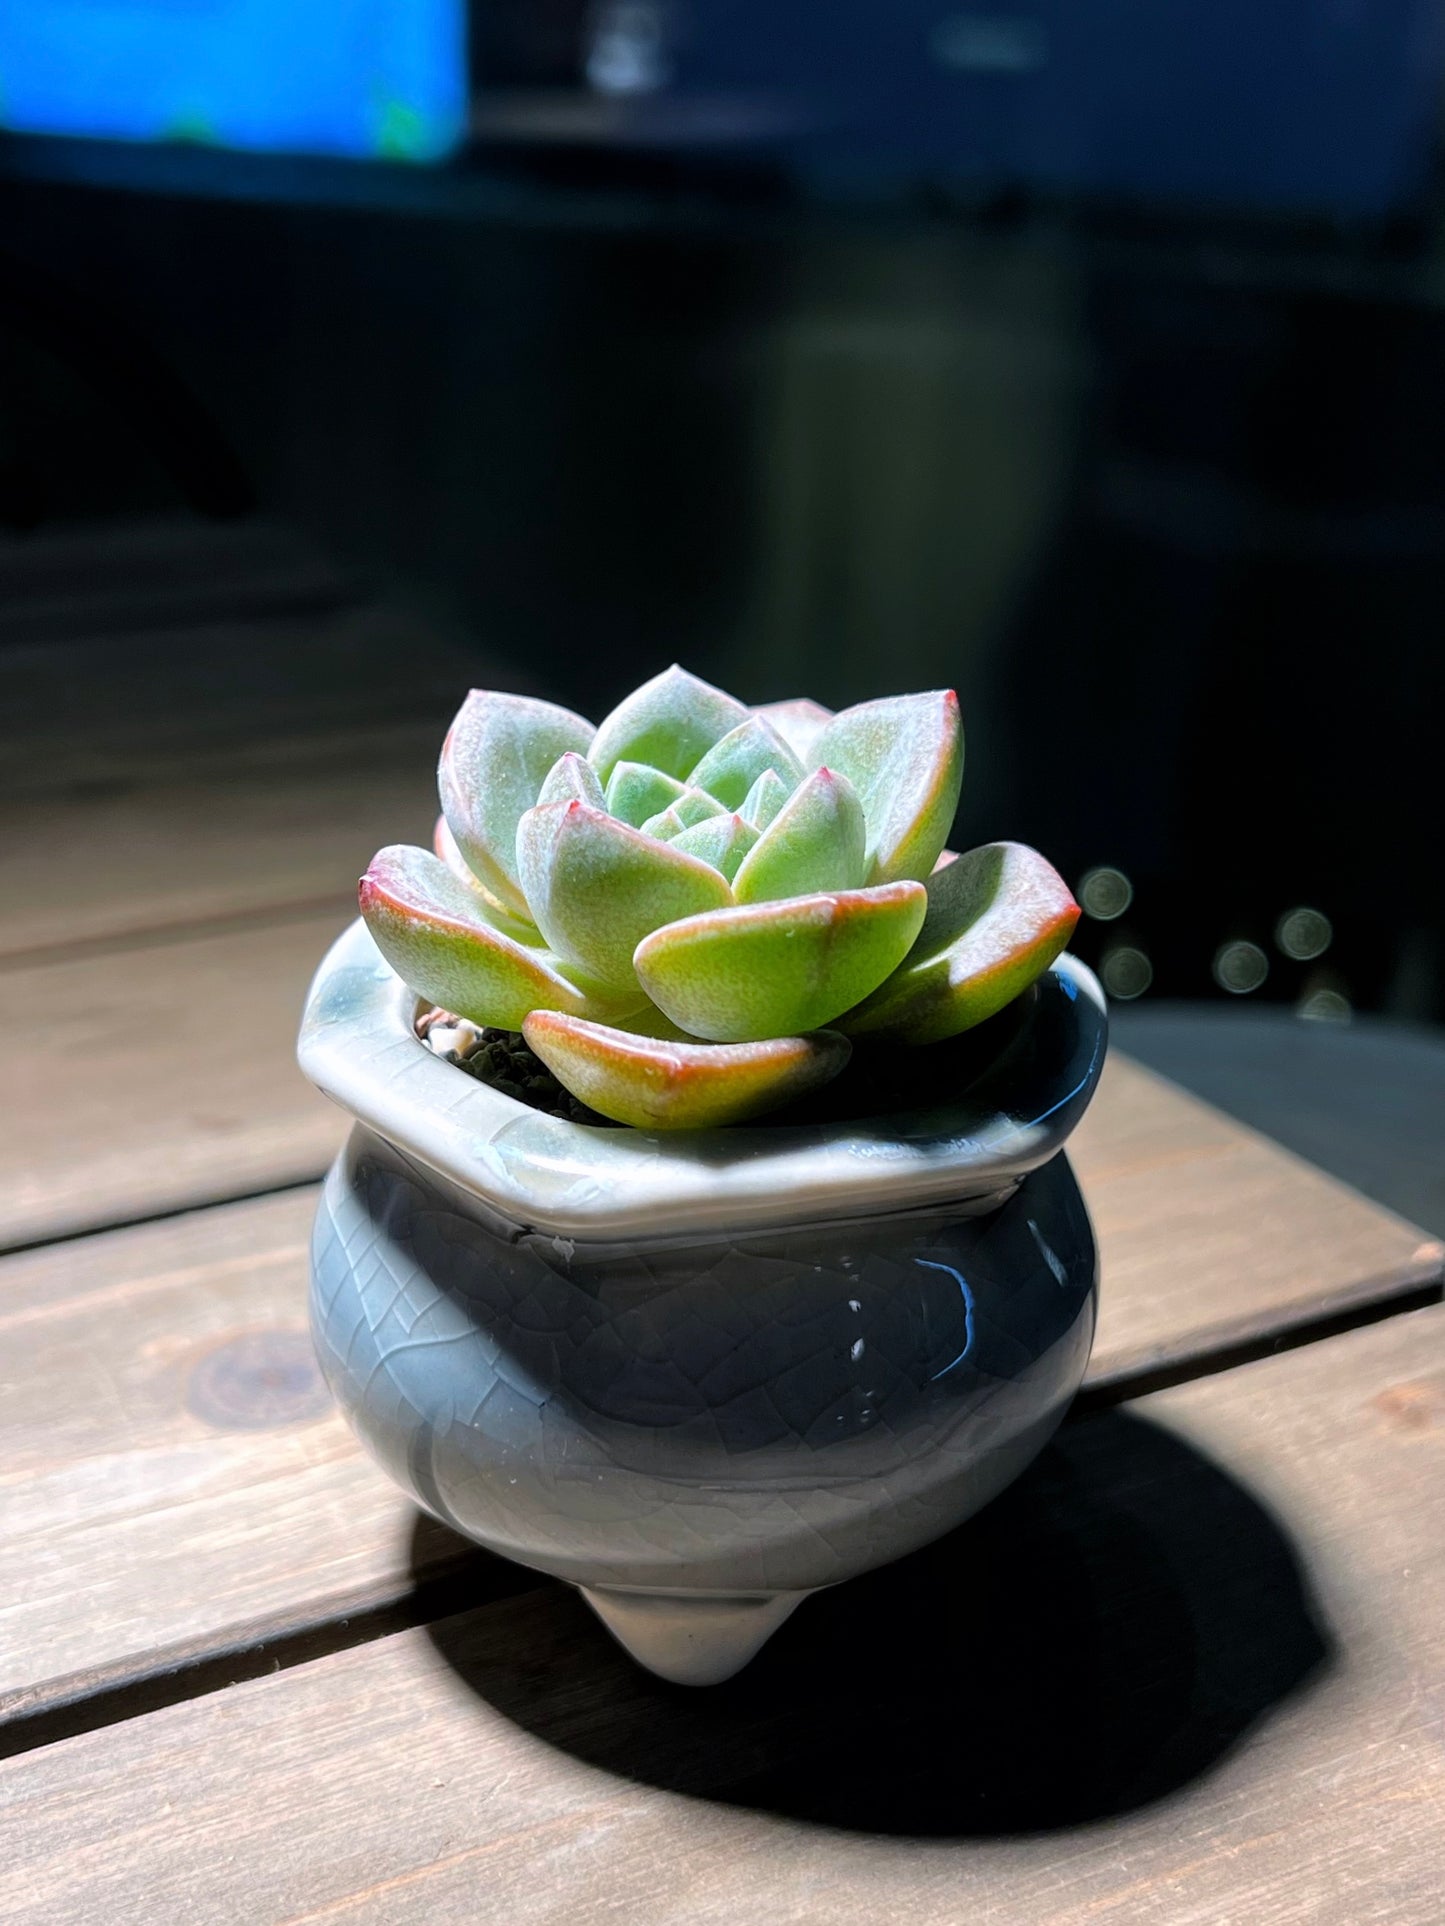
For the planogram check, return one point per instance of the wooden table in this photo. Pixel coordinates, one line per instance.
(1192, 1669)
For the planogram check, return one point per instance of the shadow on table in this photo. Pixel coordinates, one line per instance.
(1102, 1635)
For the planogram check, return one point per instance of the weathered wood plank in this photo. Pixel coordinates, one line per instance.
(1191, 1669)
(217, 724)
(149, 1464)
(244, 840)
(171, 1457)
(127, 657)
(158, 1077)
(183, 816)
(1212, 1236)
(159, 780)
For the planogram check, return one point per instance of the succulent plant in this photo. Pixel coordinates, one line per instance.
(689, 910)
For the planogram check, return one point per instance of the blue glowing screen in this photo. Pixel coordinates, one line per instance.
(378, 78)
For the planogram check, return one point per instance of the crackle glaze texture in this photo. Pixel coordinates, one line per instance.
(760, 1414)
(699, 1423)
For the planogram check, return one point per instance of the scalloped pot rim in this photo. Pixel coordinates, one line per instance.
(580, 1181)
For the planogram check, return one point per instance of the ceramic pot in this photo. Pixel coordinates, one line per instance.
(700, 1375)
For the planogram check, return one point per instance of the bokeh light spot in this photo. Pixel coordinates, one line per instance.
(1126, 972)
(1105, 893)
(1324, 1006)
(1304, 933)
(1240, 967)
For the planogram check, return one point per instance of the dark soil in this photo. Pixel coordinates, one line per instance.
(879, 1080)
(504, 1059)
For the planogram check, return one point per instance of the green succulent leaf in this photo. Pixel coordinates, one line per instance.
(497, 754)
(778, 969)
(635, 792)
(764, 799)
(572, 779)
(799, 721)
(904, 756)
(997, 917)
(722, 841)
(657, 1084)
(817, 841)
(731, 767)
(758, 874)
(670, 722)
(424, 921)
(692, 806)
(597, 886)
(521, 929)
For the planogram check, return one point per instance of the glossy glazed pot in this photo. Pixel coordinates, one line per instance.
(700, 1376)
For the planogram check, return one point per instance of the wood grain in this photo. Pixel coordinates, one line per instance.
(129, 656)
(1212, 1236)
(245, 840)
(184, 812)
(213, 725)
(170, 1455)
(1190, 1670)
(191, 1524)
(158, 1077)
(158, 780)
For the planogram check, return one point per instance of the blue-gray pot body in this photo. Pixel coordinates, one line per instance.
(766, 1413)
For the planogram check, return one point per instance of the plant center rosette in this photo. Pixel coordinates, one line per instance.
(689, 910)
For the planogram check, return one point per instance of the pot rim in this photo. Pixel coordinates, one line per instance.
(359, 1047)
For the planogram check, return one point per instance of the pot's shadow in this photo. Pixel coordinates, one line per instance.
(1104, 1633)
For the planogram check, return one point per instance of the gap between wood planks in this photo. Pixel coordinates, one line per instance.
(197, 1668)
(114, 1694)
(155, 936)
(307, 1180)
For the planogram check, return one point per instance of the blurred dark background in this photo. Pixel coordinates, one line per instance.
(1091, 360)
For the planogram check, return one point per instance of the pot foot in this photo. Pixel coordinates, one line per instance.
(690, 1638)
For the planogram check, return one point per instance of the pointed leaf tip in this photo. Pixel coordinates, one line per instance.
(997, 918)
(691, 807)
(636, 791)
(722, 841)
(497, 754)
(731, 767)
(799, 721)
(815, 843)
(572, 779)
(764, 799)
(904, 756)
(425, 922)
(670, 722)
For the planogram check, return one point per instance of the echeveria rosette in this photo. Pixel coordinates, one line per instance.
(689, 910)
